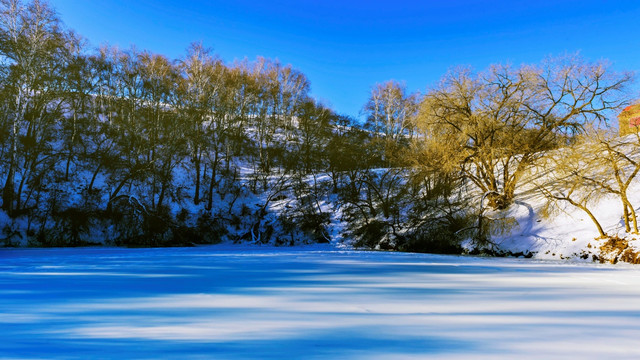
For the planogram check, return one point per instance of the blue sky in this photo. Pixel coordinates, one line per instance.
(345, 47)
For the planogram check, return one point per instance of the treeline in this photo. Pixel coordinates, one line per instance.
(112, 133)
(131, 148)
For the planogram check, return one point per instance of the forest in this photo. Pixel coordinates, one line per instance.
(130, 148)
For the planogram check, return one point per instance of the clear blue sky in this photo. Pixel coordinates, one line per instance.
(344, 47)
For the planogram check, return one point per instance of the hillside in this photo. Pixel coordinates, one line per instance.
(123, 147)
(531, 231)
(550, 228)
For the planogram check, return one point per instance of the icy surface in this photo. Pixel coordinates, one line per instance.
(272, 303)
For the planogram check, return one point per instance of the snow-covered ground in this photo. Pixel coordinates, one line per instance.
(567, 232)
(316, 302)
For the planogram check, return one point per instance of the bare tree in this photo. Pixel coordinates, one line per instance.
(199, 87)
(391, 110)
(164, 131)
(499, 122)
(566, 184)
(612, 163)
(31, 43)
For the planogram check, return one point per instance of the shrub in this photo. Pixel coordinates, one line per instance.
(371, 234)
(209, 229)
(440, 236)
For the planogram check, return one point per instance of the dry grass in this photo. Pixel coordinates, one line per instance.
(617, 249)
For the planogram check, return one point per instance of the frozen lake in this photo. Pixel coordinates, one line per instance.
(224, 302)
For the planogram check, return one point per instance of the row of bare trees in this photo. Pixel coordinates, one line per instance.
(84, 128)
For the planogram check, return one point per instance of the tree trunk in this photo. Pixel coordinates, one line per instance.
(8, 194)
(591, 216)
(625, 216)
(630, 211)
(93, 178)
(162, 194)
(8, 191)
(212, 183)
(70, 155)
(196, 195)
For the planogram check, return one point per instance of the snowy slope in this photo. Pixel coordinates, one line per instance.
(566, 233)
